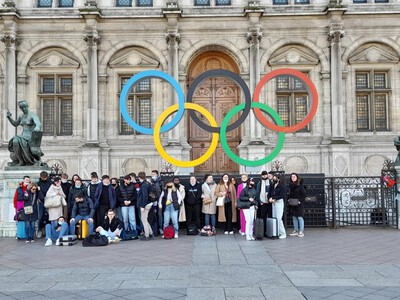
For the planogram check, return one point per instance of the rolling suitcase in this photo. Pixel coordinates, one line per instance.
(82, 229)
(68, 240)
(21, 230)
(259, 229)
(272, 228)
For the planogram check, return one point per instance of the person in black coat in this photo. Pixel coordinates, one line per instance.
(111, 227)
(297, 191)
(276, 196)
(193, 202)
(248, 201)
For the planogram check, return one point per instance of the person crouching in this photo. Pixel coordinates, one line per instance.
(111, 227)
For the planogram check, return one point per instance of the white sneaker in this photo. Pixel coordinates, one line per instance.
(230, 232)
(294, 233)
(253, 238)
(226, 232)
(248, 238)
(117, 240)
(58, 242)
(242, 233)
(301, 234)
(49, 242)
(175, 236)
(282, 236)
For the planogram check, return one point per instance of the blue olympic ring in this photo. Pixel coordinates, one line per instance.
(128, 87)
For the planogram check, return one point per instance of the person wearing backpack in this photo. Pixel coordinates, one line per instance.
(170, 200)
(193, 202)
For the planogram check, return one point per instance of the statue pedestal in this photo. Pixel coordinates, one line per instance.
(9, 182)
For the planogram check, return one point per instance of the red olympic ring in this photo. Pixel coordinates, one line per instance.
(310, 87)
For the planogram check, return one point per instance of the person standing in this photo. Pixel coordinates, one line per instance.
(77, 188)
(170, 201)
(241, 186)
(265, 208)
(209, 207)
(193, 202)
(44, 184)
(156, 179)
(104, 199)
(145, 206)
(55, 191)
(181, 190)
(226, 212)
(127, 196)
(248, 202)
(276, 195)
(297, 191)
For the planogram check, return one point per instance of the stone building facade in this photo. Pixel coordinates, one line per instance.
(70, 59)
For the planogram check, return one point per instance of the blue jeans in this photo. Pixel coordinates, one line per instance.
(52, 233)
(30, 230)
(213, 220)
(128, 216)
(171, 213)
(77, 219)
(298, 223)
(277, 212)
(110, 234)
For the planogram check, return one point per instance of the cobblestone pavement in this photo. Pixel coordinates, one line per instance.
(326, 264)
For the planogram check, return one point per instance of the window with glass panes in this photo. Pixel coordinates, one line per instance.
(301, 1)
(65, 3)
(124, 3)
(56, 102)
(372, 97)
(201, 2)
(359, 1)
(292, 100)
(138, 105)
(45, 3)
(222, 2)
(381, 1)
(278, 2)
(144, 3)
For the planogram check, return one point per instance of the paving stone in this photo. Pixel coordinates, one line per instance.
(205, 293)
(104, 285)
(301, 275)
(326, 282)
(278, 293)
(18, 286)
(243, 292)
(162, 283)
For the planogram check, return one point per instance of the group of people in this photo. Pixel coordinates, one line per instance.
(148, 206)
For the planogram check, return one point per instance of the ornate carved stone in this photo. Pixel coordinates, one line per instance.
(336, 33)
(254, 37)
(173, 39)
(92, 39)
(11, 40)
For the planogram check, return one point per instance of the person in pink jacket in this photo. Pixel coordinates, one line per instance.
(240, 187)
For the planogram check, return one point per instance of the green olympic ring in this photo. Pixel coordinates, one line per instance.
(242, 161)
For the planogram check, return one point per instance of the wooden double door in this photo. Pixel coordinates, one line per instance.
(218, 95)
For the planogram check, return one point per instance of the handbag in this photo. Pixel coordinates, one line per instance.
(51, 202)
(207, 201)
(20, 215)
(293, 201)
(221, 201)
(28, 210)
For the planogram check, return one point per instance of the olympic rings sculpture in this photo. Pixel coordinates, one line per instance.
(212, 127)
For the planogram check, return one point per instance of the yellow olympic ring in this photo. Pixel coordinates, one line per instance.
(191, 163)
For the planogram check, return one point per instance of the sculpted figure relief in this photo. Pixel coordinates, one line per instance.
(25, 148)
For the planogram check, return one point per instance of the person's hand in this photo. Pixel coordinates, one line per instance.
(127, 202)
(98, 229)
(160, 206)
(251, 199)
(72, 220)
(90, 220)
(142, 209)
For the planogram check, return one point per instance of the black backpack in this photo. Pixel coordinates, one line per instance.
(95, 240)
(154, 192)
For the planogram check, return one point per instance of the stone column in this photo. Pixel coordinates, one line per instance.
(335, 35)
(254, 38)
(173, 40)
(11, 42)
(92, 39)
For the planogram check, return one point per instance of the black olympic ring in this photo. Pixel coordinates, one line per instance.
(224, 73)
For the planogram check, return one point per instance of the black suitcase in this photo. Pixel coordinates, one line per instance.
(68, 240)
(259, 229)
(272, 228)
(192, 229)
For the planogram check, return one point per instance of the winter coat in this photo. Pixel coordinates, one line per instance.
(221, 210)
(243, 201)
(126, 193)
(143, 195)
(113, 225)
(209, 192)
(30, 199)
(111, 196)
(193, 194)
(84, 208)
(299, 192)
(182, 211)
(55, 212)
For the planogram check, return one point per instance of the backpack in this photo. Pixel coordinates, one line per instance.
(169, 232)
(192, 229)
(94, 240)
(154, 191)
(129, 235)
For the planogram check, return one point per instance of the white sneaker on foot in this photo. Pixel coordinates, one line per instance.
(226, 232)
(242, 233)
(301, 234)
(230, 232)
(58, 242)
(175, 236)
(49, 242)
(294, 233)
(282, 236)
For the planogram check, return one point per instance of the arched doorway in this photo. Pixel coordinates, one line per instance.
(218, 95)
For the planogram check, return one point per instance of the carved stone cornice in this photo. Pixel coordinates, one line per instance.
(92, 39)
(254, 37)
(173, 39)
(11, 40)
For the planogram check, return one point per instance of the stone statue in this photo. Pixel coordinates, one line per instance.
(397, 145)
(25, 148)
